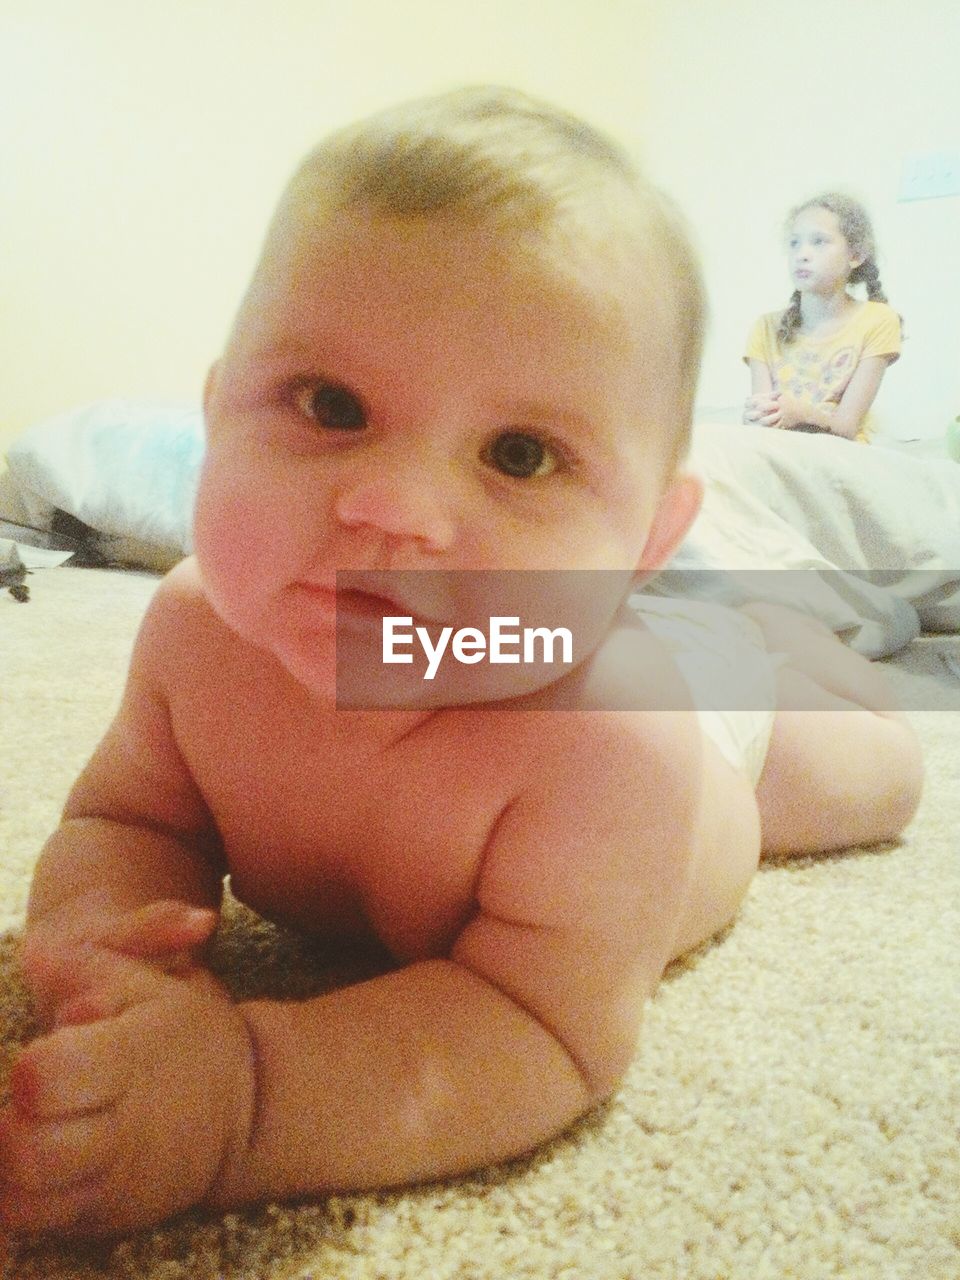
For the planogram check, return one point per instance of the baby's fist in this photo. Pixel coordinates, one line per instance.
(167, 932)
(118, 1122)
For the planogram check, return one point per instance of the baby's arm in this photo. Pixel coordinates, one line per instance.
(533, 1015)
(134, 863)
(432, 1070)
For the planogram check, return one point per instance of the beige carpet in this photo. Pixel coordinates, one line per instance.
(793, 1110)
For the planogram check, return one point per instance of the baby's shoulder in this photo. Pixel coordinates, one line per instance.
(182, 584)
(179, 622)
(633, 669)
(178, 602)
(628, 699)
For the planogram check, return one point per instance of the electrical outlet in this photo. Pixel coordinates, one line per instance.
(930, 175)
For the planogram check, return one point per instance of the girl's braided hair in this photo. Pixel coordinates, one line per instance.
(857, 230)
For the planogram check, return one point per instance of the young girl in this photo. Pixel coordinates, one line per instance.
(817, 366)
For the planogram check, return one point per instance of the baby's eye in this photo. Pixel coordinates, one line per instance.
(333, 406)
(521, 455)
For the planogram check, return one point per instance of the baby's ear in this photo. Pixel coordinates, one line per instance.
(676, 512)
(210, 385)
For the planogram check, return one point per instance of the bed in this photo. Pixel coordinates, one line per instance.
(793, 1109)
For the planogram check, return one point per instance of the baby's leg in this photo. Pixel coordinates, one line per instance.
(844, 766)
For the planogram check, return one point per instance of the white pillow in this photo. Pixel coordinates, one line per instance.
(127, 468)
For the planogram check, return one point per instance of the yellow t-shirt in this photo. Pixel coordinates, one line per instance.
(819, 369)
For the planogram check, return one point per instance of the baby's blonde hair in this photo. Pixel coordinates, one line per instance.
(541, 178)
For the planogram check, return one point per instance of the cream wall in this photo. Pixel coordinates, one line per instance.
(143, 145)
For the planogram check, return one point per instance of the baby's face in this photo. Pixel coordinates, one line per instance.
(401, 396)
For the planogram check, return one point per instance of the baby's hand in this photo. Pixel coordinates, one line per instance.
(168, 933)
(126, 1116)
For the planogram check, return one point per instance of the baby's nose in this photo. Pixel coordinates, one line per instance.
(402, 505)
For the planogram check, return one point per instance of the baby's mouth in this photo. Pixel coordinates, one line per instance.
(357, 605)
(393, 594)
(369, 604)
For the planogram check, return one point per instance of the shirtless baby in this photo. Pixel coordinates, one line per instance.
(471, 343)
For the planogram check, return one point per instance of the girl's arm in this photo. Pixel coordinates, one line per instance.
(761, 380)
(760, 404)
(842, 419)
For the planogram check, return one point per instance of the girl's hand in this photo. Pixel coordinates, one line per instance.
(127, 1115)
(780, 409)
(791, 411)
(760, 408)
(168, 934)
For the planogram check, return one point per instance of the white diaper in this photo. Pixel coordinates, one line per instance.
(731, 677)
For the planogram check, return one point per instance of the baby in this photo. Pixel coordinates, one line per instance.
(471, 343)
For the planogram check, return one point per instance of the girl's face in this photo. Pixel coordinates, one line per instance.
(820, 256)
(400, 396)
